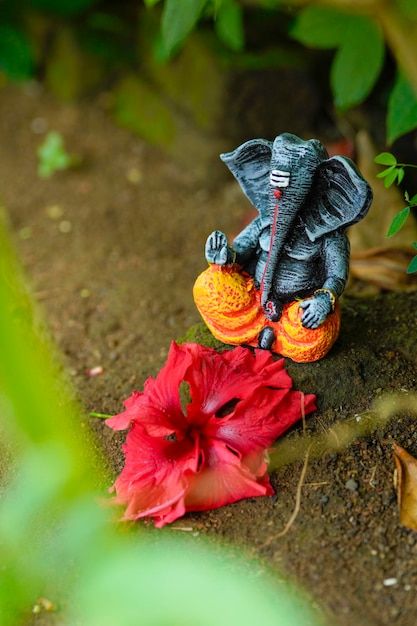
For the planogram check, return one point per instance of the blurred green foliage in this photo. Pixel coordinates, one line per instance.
(394, 172)
(79, 45)
(355, 37)
(57, 539)
(52, 156)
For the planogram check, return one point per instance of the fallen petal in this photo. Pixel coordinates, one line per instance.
(406, 466)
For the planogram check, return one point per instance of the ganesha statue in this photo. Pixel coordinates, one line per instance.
(278, 284)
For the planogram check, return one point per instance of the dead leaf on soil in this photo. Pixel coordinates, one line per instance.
(406, 485)
(375, 258)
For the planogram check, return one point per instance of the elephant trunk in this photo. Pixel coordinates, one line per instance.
(300, 160)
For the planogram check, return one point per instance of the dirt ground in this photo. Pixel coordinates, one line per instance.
(112, 251)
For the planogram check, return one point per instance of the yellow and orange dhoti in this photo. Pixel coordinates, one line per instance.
(230, 305)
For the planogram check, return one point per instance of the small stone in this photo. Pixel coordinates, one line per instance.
(65, 227)
(85, 293)
(390, 582)
(39, 125)
(25, 233)
(351, 484)
(54, 212)
(95, 371)
(134, 175)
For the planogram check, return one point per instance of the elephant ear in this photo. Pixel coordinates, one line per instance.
(250, 164)
(339, 197)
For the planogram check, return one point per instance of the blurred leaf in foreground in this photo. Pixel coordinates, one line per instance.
(59, 543)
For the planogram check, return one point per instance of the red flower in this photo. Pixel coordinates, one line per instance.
(212, 452)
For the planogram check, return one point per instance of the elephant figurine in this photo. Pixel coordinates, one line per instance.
(277, 286)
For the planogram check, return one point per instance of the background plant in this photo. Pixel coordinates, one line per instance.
(42, 36)
(394, 172)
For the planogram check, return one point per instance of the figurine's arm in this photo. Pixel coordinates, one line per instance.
(336, 268)
(336, 251)
(246, 242)
(244, 245)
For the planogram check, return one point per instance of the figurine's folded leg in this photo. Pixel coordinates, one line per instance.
(304, 345)
(229, 304)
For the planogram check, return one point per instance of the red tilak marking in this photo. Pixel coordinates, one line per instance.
(277, 193)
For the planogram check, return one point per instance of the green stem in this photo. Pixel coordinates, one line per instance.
(406, 165)
(101, 415)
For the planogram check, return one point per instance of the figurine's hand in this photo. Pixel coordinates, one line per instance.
(315, 310)
(217, 250)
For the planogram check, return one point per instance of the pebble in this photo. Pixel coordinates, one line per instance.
(65, 227)
(39, 125)
(390, 582)
(54, 212)
(95, 371)
(25, 233)
(134, 175)
(351, 484)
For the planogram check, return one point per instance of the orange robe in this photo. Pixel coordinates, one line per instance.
(229, 304)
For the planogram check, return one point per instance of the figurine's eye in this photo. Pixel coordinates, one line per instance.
(279, 178)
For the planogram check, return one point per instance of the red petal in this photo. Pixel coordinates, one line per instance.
(217, 378)
(156, 476)
(259, 420)
(225, 478)
(122, 421)
(158, 408)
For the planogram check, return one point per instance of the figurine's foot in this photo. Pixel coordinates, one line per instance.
(273, 310)
(266, 338)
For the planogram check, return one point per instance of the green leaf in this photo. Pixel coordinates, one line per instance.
(151, 3)
(352, 78)
(390, 178)
(16, 54)
(319, 27)
(413, 201)
(385, 173)
(398, 221)
(52, 155)
(178, 19)
(414, 244)
(400, 175)
(229, 25)
(357, 38)
(402, 109)
(385, 158)
(413, 265)
(140, 108)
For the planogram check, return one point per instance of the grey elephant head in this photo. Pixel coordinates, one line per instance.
(291, 178)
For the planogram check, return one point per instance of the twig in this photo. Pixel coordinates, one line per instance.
(296, 510)
(303, 413)
(101, 415)
(320, 484)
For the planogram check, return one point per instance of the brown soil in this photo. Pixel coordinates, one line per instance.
(117, 288)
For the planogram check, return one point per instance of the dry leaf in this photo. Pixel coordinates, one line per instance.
(406, 483)
(376, 259)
